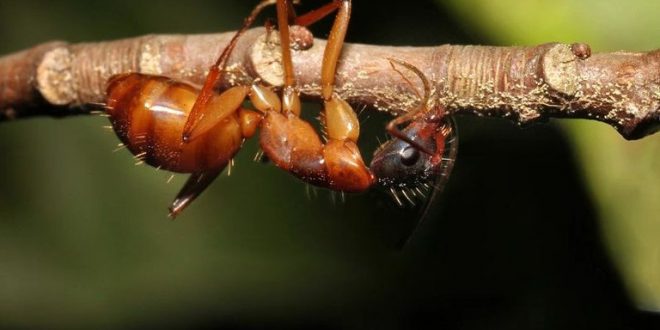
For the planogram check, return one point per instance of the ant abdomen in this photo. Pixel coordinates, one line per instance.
(148, 114)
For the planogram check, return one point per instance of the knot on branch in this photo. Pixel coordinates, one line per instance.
(55, 77)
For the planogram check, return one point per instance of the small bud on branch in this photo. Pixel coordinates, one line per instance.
(525, 84)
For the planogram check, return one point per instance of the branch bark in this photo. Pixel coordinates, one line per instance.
(524, 84)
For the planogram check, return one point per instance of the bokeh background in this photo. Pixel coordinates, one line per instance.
(554, 226)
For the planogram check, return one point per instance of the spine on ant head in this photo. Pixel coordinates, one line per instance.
(148, 114)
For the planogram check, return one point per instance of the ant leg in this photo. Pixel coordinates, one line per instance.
(317, 14)
(341, 154)
(200, 111)
(195, 185)
(333, 48)
(293, 144)
(341, 121)
(392, 126)
(292, 10)
(290, 98)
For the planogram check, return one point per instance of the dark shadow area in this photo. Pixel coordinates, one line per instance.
(516, 242)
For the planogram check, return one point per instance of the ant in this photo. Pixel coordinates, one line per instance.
(422, 153)
(177, 127)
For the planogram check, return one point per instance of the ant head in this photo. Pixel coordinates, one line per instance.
(399, 165)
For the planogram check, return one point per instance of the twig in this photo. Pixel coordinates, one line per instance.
(524, 84)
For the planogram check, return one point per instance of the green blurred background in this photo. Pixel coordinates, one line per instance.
(547, 227)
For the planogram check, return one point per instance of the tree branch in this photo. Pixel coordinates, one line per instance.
(524, 84)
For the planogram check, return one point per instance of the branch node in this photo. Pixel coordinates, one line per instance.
(54, 77)
(266, 59)
(266, 55)
(560, 69)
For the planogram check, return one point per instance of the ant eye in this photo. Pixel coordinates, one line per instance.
(409, 156)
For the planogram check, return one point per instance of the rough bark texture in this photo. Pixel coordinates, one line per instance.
(524, 84)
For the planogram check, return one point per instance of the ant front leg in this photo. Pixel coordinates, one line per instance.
(290, 142)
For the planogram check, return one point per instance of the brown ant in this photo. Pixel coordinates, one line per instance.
(177, 127)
